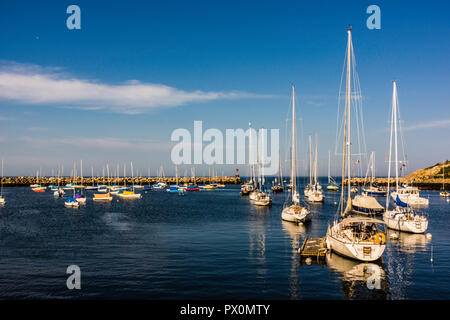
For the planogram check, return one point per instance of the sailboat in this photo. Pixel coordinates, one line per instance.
(175, 187)
(262, 198)
(104, 194)
(365, 203)
(279, 186)
(332, 185)
(402, 217)
(127, 193)
(79, 196)
(249, 187)
(92, 187)
(292, 211)
(444, 193)
(60, 191)
(193, 186)
(407, 194)
(373, 189)
(314, 192)
(2, 199)
(355, 237)
(160, 184)
(72, 202)
(211, 185)
(37, 187)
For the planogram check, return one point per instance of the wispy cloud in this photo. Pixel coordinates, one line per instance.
(428, 124)
(106, 144)
(36, 85)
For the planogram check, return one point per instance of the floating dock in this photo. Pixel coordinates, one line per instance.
(313, 248)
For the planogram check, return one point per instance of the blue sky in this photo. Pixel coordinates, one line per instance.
(225, 63)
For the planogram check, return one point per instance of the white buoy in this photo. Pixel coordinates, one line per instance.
(308, 260)
(429, 236)
(393, 236)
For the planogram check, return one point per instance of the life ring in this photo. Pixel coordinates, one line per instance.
(380, 238)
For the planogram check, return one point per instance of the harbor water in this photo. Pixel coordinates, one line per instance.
(203, 245)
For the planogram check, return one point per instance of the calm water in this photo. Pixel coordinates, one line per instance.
(203, 245)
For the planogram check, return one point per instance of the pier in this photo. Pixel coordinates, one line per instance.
(313, 248)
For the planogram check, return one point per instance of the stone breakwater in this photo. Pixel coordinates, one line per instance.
(45, 181)
(423, 184)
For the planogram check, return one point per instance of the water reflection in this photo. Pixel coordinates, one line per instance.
(295, 232)
(257, 238)
(117, 221)
(411, 242)
(359, 280)
(400, 255)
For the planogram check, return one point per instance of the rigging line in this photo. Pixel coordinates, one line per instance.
(338, 127)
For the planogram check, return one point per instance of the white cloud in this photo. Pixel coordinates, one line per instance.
(110, 144)
(31, 84)
(429, 124)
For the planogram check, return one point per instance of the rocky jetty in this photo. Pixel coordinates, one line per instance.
(45, 181)
(430, 178)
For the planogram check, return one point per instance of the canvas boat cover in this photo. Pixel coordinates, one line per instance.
(366, 202)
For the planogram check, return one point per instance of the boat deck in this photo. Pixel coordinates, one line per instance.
(313, 247)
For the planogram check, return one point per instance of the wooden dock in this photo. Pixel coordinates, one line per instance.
(313, 248)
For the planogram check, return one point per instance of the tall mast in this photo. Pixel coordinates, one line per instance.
(309, 162)
(279, 168)
(373, 167)
(390, 146)
(262, 160)
(293, 149)
(394, 101)
(250, 150)
(315, 161)
(132, 175)
(347, 126)
(328, 166)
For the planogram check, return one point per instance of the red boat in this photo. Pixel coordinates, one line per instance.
(192, 188)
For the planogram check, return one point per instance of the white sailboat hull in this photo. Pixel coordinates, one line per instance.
(363, 251)
(314, 196)
(411, 199)
(296, 214)
(401, 222)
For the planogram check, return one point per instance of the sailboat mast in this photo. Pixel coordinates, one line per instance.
(349, 89)
(315, 161)
(309, 162)
(394, 101)
(293, 149)
(328, 166)
(262, 160)
(2, 180)
(390, 150)
(346, 145)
